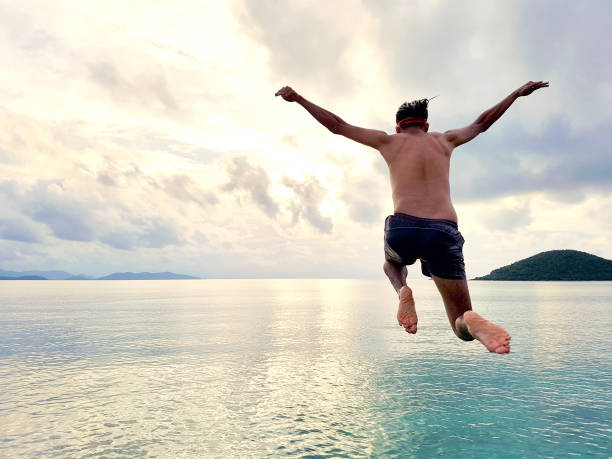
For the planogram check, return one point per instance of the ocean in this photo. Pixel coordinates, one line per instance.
(308, 368)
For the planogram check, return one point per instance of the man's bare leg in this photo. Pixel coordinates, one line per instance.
(406, 312)
(466, 323)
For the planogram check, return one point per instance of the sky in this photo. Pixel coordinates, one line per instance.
(145, 136)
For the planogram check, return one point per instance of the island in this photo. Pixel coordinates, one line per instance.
(555, 265)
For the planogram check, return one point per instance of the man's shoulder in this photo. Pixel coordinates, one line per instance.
(440, 137)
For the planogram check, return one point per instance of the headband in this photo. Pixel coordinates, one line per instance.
(411, 120)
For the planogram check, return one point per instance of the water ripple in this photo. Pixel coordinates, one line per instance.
(304, 368)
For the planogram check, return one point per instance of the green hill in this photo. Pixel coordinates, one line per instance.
(555, 265)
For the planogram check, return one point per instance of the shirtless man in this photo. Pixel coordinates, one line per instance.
(424, 224)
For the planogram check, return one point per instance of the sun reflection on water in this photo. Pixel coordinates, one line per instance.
(296, 367)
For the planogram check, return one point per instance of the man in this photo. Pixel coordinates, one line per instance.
(424, 224)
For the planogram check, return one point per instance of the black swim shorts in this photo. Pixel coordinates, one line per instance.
(437, 243)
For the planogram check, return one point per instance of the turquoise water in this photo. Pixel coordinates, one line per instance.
(223, 368)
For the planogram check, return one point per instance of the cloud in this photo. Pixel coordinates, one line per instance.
(81, 218)
(515, 161)
(159, 232)
(149, 233)
(67, 219)
(309, 195)
(183, 188)
(46, 203)
(19, 229)
(303, 44)
(252, 180)
(23, 31)
(363, 197)
(440, 46)
(509, 216)
(143, 86)
(573, 54)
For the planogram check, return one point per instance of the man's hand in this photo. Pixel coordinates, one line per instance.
(288, 94)
(531, 86)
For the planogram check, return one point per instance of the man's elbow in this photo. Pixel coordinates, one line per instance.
(481, 127)
(335, 128)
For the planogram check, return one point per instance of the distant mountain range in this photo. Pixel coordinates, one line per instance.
(145, 276)
(555, 265)
(63, 275)
(23, 278)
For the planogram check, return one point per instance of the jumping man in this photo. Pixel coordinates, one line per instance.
(424, 223)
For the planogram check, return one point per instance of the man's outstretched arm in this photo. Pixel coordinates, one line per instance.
(335, 124)
(460, 136)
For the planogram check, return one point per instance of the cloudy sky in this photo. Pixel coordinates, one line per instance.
(141, 135)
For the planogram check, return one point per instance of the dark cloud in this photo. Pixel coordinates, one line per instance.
(120, 240)
(67, 220)
(309, 196)
(569, 43)
(19, 229)
(67, 217)
(513, 161)
(252, 180)
(159, 232)
(149, 233)
(78, 218)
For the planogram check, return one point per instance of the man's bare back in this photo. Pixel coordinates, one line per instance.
(424, 224)
(419, 164)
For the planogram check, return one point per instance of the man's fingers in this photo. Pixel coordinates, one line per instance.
(285, 90)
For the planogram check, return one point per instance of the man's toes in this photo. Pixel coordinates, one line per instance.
(503, 349)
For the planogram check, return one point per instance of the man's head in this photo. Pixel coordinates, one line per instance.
(412, 115)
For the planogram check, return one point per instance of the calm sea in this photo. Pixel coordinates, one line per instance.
(255, 368)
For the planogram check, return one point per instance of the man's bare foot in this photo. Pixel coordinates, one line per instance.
(494, 337)
(406, 313)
